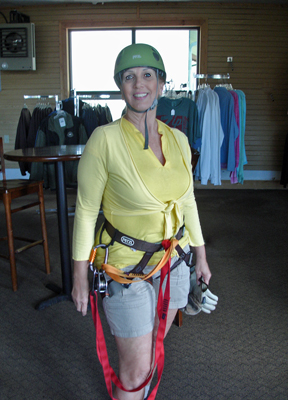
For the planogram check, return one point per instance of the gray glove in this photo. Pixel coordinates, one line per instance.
(200, 297)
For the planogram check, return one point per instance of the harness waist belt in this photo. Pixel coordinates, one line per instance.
(133, 243)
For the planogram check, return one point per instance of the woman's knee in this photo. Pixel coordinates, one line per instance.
(133, 378)
(135, 358)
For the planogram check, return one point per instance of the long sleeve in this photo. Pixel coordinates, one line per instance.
(92, 178)
(192, 223)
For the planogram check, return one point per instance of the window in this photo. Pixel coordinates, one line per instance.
(176, 47)
(93, 54)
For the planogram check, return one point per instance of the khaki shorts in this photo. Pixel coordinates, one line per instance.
(130, 312)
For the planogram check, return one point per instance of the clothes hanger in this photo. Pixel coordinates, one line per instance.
(169, 90)
(59, 111)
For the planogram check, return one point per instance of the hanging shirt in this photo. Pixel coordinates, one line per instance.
(242, 123)
(212, 137)
(233, 175)
(229, 126)
(216, 139)
(180, 113)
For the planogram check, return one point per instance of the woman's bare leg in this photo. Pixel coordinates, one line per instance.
(170, 318)
(135, 357)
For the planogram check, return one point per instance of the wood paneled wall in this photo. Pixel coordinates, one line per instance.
(254, 35)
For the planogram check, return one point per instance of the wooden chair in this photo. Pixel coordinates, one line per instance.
(10, 190)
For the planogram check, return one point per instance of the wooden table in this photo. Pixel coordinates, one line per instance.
(58, 155)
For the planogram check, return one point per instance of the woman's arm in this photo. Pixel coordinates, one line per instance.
(80, 291)
(92, 178)
(193, 225)
(201, 267)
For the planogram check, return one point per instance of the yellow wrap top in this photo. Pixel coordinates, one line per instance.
(140, 197)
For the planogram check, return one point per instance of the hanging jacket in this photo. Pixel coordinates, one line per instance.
(38, 115)
(68, 106)
(22, 134)
(90, 118)
(102, 116)
(58, 129)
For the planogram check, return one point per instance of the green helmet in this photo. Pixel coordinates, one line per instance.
(138, 55)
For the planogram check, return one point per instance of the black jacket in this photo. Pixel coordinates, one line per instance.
(58, 129)
(22, 134)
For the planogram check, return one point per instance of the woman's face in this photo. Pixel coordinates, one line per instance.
(139, 86)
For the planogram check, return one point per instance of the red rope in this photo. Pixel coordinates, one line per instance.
(162, 310)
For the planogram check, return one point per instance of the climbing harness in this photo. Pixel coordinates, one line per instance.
(135, 244)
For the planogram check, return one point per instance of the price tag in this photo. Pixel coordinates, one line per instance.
(62, 122)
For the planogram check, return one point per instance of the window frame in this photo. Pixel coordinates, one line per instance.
(116, 94)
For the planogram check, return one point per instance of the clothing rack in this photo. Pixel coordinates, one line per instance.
(93, 95)
(211, 76)
(52, 96)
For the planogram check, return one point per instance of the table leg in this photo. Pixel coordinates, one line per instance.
(63, 226)
(62, 211)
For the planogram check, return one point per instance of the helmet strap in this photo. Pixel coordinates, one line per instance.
(146, 134)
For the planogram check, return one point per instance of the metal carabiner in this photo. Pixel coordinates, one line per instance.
(93, 255)
(99, 282)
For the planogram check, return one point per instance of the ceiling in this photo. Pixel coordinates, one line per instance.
(18, 3)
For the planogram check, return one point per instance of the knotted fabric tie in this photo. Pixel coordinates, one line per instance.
(172, 206)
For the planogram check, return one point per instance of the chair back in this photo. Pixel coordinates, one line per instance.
(2, 163)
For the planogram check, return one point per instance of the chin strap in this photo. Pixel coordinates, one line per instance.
(153, 105)
(146, 133)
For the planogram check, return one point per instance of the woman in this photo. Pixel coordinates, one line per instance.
(139, 169)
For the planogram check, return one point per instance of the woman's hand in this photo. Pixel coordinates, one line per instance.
(80, 291)
(201, 267)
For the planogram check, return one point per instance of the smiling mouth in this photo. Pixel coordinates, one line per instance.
(140, 95)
